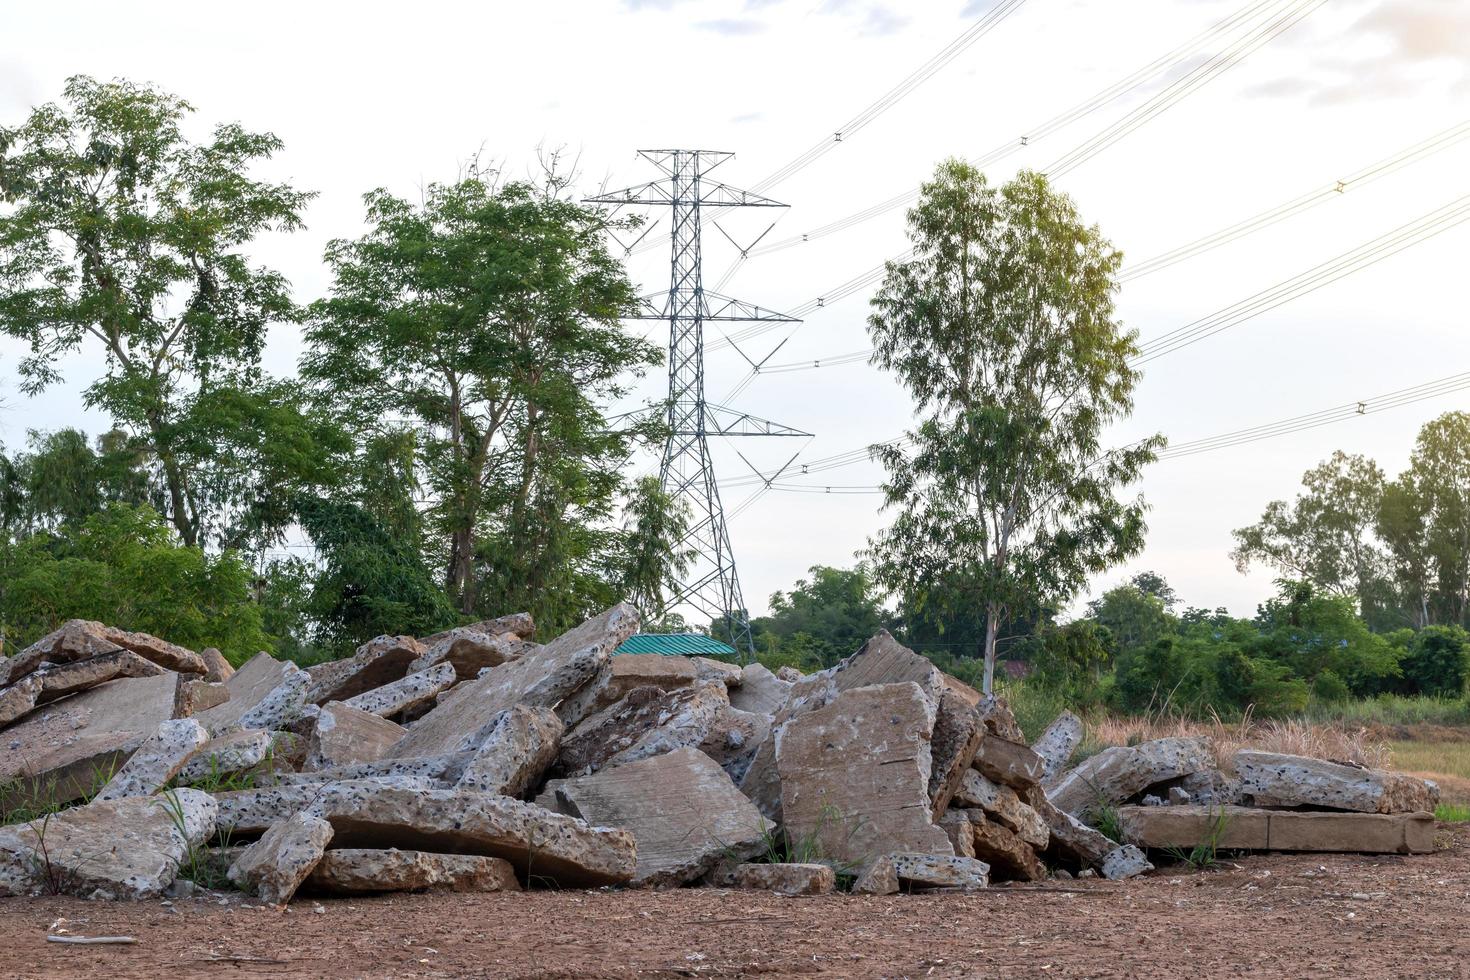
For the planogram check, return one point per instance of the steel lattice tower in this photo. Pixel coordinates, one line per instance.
(686, 471)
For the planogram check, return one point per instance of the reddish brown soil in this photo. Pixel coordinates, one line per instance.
(1262, 916)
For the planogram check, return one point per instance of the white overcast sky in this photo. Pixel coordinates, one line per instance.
(374, 94)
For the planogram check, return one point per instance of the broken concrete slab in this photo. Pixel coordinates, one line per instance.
(198, 696)
(404, 695)
(958, 730)
(227, 756)
(1004, 805)
(157, 761)
(276, 865)
(999, 720)
(634, 670)
(520, 745)
(76, 639)
(939, 871)
(17, 700)
(647, 722)
(1116, 774)
(1249, 828)
(854, 775)
(364, 871)
(543, 846)
(81, 675)
(880, 877)
(1057, 744)
(1010, 858)
(379, 661)
(709, 669)
(344, 734)
(517, 624)
(217, 669)
(1009, 763)
(680, 806)
(1272, 779)
(264, 688)
(469, 651)
(760, 691)
(545, 678)
(956, 823)
(789, 674)
(734, 737)
(787, 879)
(248, 813)
(83, 639)
(1211, 787)
(70, 748)
(119, 849)
(881, 660)
(1069, 837)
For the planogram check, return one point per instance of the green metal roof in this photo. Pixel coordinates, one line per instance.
(676, 645)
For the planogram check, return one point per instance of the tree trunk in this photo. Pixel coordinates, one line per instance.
(992, 627)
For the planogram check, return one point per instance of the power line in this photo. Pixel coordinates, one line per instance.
(1332, 191)
(1035, 134)
(1216, 66)
(905, 87)
(1419, 230)
(1281, 19)
(1328, 192)
(1225, 440)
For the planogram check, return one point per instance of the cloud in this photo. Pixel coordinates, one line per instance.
(1415, 45)
(746, 117)
(882, 22)
(732, 26)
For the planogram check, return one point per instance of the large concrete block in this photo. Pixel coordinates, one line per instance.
(119, 849)
(543, 678)
(344, 734)
(544, 847)
(760, 691)
(881, 660)
(1249, 828)
(680, 806)
(364, 871)
(69, 749)
(1115, 774)
(157, 760)
(519, 747)
(276, 865)
(1272, 779)
(646, 723)
(404, 695)
(855, 775)
(1009, 763)
(1057, 743)
(264, 693)
(379, 661)
(958, 730)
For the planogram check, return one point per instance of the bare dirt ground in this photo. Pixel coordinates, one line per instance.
(1261, 916)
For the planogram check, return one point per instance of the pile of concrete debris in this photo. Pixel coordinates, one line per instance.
(476, 759)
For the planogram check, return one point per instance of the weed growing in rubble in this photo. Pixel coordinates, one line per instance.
(1204, 856)
(1107, 820)
(199, 863)
(777, 848)
(220, 780)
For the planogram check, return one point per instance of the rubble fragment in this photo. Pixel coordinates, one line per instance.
(80, 675)
(760, 691)
(680, 806)
(1057, 744)
(543, 846)
(243, 751)
(787, 879)
(276, 865)
(519, 746)
(262, 693)
(216, 668)
(1116, 774)
(1272, 779)
(379, 661)
(855, 775)
(1009, 763)
(407, 693)
(344, 734)
(128, 848)
(468, 651)
(1004, 805)
(958, 730)
(156, 761)
(939, 871)
(645, 723)
(364, 871)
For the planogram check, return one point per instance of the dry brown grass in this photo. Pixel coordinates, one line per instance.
(1294, 737)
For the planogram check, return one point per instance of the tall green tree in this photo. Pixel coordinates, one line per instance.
(486, 317)
(123, 233)
(1003, 328)
(1326, 535)
(1425, 519)
(828, 615)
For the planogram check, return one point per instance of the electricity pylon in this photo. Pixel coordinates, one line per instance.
(686, 472)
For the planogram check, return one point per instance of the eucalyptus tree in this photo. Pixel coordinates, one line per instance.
(1002, 326)
(123, 233)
